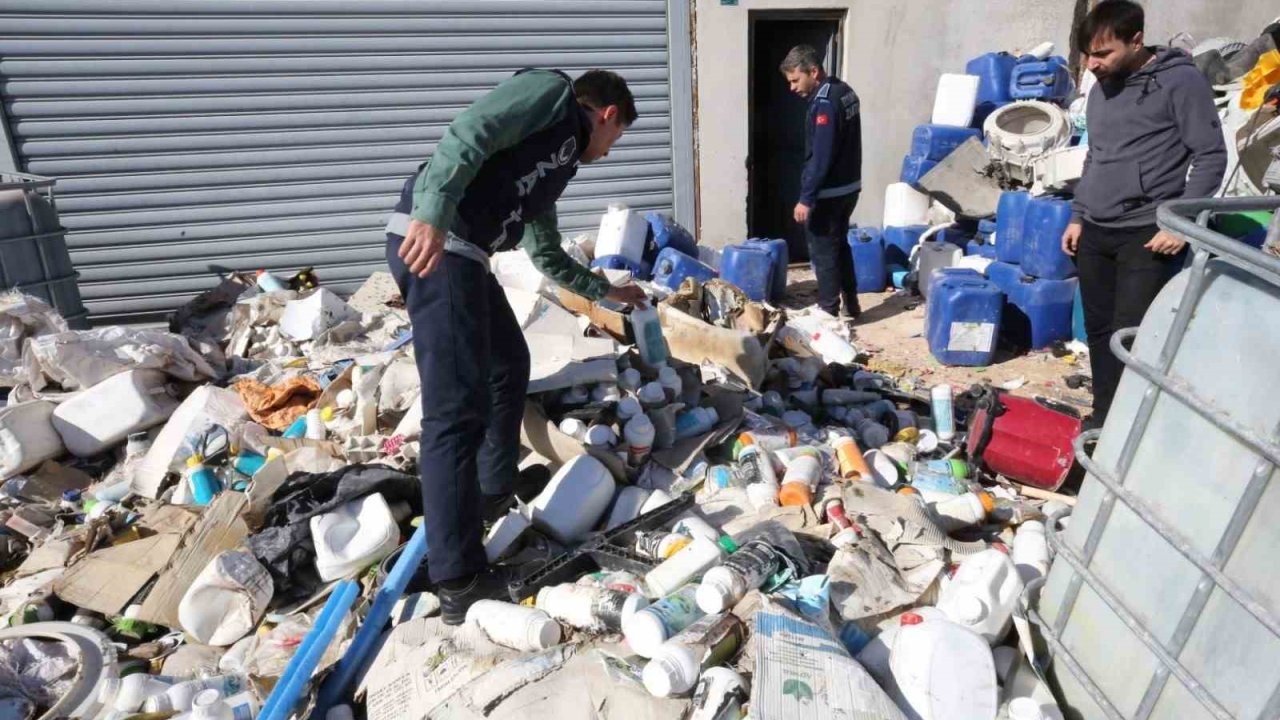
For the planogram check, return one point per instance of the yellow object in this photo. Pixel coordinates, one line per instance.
(907, 435)
(1260, 79)
(195, 460)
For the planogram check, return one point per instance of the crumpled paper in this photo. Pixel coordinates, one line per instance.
(37, 671)
(22, 316)
(276, 406)
(80, 359)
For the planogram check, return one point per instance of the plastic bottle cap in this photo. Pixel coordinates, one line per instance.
(194, 460)
(326, 414)
(727, 544)
(664, 676)
(911, 619)
(158, 704)
(988, 502)
(543, 632)
(713, 595)
(205, 704)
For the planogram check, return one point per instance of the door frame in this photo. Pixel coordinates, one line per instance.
(835, 55)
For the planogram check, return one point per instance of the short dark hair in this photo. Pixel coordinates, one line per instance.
(601, 88)
(803, 58)
(1123, 19)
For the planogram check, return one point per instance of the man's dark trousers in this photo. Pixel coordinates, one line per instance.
(828, 234)
(474, 367)
(1118, 280)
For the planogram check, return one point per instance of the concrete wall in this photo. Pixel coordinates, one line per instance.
(894, 51)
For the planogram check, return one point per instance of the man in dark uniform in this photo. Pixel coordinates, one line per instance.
(491, 185)
(832, 176)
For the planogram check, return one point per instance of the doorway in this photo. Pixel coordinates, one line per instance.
(776, 119)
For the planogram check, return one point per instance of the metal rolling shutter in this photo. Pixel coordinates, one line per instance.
(192, 137)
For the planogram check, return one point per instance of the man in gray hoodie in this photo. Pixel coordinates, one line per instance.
(1151, 118)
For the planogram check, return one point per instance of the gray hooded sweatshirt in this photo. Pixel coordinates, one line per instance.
(1145, 131)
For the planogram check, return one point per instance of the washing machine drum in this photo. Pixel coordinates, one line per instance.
(1021, 132)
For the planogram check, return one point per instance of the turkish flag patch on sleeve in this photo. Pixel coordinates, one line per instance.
(822, 119)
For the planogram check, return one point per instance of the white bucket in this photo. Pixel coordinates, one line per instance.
(983, 594)
(571, 504)
(104, 415)
(904, 205)
(227, 599)
(943, 671)
(353, 536)
(27, 437)
(622, 232)
(956, 98)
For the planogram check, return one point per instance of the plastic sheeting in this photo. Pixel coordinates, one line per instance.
(77, 360)
(21, 317)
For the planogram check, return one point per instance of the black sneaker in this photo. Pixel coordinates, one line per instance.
(493, 507)
(487, 585)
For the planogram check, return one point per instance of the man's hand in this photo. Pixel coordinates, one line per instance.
(1165, 244)
(423, 248)
(1070, 239)
(801, 213)
(628, 295)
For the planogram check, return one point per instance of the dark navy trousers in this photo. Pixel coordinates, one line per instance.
(474, 366)
(828, 234)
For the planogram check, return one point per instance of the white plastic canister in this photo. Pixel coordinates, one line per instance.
(571, 504)
(622, 232)
(27, 437)
(353, 536)
(983, 594)
(104, 415)
(943, 671)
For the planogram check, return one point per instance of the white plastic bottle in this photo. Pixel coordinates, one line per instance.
(671, 383)
(575, 499)
(647, 328)
(1031, 551)
(684, 566)
(626, 506)
(587, 607)
(724, 585)
(646, 630)
(944, 421)
(127, 694)
(675, 667)
(964, 510)
(93, 421)
(181, 696)
(652, 396)
(515, 626)
(629, 380)
(226, 600)
(574, 428)
(600, 436)
(628, 407)
(353, 536)
(315, 424)
(639, 434)
(983, 594)
(942, 671)
(719, 695)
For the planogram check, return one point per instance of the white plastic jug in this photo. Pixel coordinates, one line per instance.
(104, 415)
(626, 507)
(942, 671)
(227, 599)
(983, 594)
(622, 232)
(904, 205)
(504, 534)
(956, 98)
(27, 437)
(353, 536)
(572, 503)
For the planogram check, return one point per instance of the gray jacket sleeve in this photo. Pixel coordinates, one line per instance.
(1191, 102)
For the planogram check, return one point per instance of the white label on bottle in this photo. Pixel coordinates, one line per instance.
(971, 337)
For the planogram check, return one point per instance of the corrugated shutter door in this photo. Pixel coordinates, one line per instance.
(192, 137)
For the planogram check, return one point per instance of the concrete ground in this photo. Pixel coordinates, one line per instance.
(891, 332)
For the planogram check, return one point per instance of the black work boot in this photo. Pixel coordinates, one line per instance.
(456, 597)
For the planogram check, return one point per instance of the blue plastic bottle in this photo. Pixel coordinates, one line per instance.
(1042, 256)
(936, 142)
(204, 484)
(673, 266)
(297, 429)
(749, 268)
(1010, 213)
(777, 247)
(867, 247)
(900, 241)
(248, 463)
(914, 168)
(963, 320)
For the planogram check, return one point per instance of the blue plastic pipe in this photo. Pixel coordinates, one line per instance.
(371, 630)
(280, 702)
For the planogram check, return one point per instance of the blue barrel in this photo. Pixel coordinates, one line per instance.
(1010, 214)
(668, 233)
(962, 321)
(1077, 318)
(622, 262)
(936, 142)
(951, 272)
(914, 168)
(1006, 276)
(869, 267)
(777, 247)
(1042, 256)
(749, 268)
(900, 241)
(673, 266)
(1048, 80)
(994, 70)
(1048, 305)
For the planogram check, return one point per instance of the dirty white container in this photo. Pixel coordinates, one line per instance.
(515, 626)
(572, 503)
(675, 667)
(875, 655)
(719, 694)
(27, 437)
(226, 600)
(1030, 551)
(656, 499)
(646, 629)
(942, 671)
(306, 318)
(588, 607)
(956, 98)
(983, 594)
(904, 205)
(626, 506)
(182, 696)
(353, 536)
(127, 694)
(639, 435)
(504, 534)
(691, 562)
(96, 419)
(622, 232)
(935, 255)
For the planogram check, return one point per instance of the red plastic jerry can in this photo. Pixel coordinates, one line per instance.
(1027, 441)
